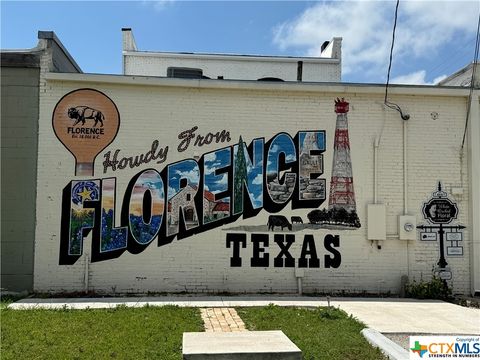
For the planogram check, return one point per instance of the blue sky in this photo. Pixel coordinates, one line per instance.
(434, 39)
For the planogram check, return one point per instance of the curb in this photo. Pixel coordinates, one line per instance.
(392, 350)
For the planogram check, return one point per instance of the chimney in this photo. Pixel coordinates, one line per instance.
(332, 49)
(128, 41)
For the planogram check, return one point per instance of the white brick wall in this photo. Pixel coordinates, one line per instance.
(201, 263)
(151, 64)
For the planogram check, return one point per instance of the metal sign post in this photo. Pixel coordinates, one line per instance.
(440, 230)
(440, 210)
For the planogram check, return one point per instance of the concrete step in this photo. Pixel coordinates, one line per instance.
(248, 345)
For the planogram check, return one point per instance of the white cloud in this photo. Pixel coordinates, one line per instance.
(223, 180)
(291, 157)
(366, 28)
(210, 157)
(159, 5)
(416, 78)
(258, 180)
(193, 175)
(171, 192)
(208, 169)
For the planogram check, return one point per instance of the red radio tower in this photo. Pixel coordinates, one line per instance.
(342, 194)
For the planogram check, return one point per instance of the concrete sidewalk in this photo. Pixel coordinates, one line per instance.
(384, 315)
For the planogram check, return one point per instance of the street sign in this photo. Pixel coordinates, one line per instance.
(445, 275)
(440, 210)
(428, 236)
(454, 250)
(454, 236)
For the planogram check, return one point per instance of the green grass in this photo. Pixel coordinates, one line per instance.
(5, 300)
(120, 333)
(322, 333)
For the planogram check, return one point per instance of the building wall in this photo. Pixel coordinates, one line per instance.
(328, 70)
(22, 80)
(201, 261)
(463, 77)
(20, 98)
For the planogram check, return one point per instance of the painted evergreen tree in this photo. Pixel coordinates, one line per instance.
(240, 176)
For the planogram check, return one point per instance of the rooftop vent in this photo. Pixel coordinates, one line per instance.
(184, 73)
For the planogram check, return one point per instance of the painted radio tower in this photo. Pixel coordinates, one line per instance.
(342, 194)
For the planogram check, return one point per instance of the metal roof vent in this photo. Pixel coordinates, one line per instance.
(184, 73)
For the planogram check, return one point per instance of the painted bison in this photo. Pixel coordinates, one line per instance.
(81, 113)
(278, 220)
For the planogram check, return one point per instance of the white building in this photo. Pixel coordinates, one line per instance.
(326, 68)
(463, 77)
(396, 165)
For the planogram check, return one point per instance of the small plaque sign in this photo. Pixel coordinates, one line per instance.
(445, 275)
(454, 236)
(454, 250)
(428, 236)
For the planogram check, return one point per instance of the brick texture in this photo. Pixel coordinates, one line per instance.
(201, 263)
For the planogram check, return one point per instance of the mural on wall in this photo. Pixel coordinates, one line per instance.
(195, 195)
(216, 182)
(80, 218)
(183, 180)
(147, 203)
(248, 175)
(341, 212)
(311, 165)
(75, 119)
(440, 211)
(281, 184)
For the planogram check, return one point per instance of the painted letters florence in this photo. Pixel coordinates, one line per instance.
(196, 195)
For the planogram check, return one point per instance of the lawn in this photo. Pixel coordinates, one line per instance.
(156, 332)
(120, 333)
(322, 333)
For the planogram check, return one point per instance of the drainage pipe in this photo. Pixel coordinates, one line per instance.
(86, 275)
(405, 169)
(376, 144)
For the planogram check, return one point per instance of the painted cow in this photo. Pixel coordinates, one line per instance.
(278, 220)
(296, 219)
(81, 113)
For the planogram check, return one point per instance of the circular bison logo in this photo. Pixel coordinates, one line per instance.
(85, 121)
(80, 113)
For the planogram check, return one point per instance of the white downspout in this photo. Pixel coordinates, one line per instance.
(376, 144)
(87, 271)
(473, 146)
(405, 186)
(405, 169)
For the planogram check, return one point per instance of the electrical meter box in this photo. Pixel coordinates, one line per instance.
(376, 222)
(407, 227)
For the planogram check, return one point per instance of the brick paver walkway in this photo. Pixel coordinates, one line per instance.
(222, 320)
